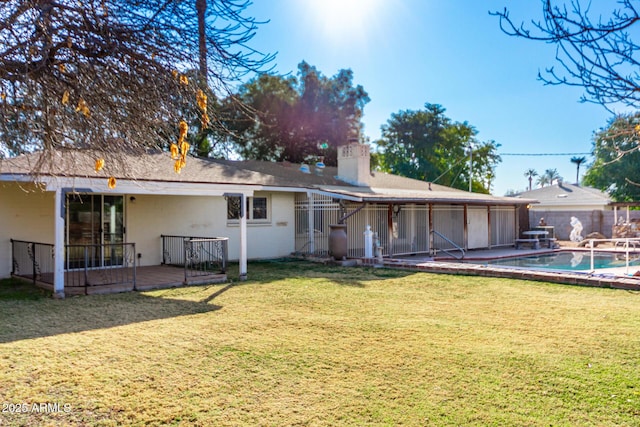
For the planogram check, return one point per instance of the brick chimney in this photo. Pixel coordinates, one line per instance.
(354, 165)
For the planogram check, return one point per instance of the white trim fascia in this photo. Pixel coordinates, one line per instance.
(99, 185)
(577, 206)
(335, 195)
(147, 187)
(15, 177)
(310, 190)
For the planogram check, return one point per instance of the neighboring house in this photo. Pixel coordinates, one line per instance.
(69, 209)
(558, 203)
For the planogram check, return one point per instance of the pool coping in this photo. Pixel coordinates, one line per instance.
(603, 278)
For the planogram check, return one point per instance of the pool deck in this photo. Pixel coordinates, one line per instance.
(619, 278)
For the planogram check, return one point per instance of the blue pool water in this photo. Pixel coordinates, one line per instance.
(575, 261)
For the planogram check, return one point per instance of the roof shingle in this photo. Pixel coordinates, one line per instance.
(158, 166)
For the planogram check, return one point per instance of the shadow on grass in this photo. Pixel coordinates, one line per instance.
(217, 294)
(15, 290)
(288, 268)
(26, 318)
(27, 312)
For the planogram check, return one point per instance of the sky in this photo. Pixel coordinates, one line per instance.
(406, 53)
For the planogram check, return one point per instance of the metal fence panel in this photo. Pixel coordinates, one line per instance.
(373, 215)
(205, 256)
(313, 215)
(410, 229)
(503, 225)
(173, 249)
(409, 232)
(32, 260)
(85, 265)
(448, 220)
(100, 265)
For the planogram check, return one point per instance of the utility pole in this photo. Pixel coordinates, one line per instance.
(470, 167)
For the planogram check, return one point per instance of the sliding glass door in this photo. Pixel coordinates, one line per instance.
(94, 230)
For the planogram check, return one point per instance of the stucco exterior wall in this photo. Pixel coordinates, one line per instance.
(273, 240)
(149, 216)
(26, 213)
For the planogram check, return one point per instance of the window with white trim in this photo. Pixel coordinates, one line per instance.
(257, 208)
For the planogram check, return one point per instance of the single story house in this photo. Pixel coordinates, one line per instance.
(592, 207)
(65, 223)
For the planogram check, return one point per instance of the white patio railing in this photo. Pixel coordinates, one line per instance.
(626, 247)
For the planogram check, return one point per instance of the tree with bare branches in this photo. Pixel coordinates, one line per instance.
(596, 50)
(115, 76)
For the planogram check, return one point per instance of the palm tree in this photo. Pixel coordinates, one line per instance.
(542, 180)
(578, 161)
(529, 174)
(552, 175)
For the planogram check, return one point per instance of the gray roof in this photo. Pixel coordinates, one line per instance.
(158, 166)
(565, 194)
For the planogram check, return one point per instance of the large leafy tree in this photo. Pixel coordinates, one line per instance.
(111, 75)
(427, 145)
(267, 132)
(617, 161)
(297, 118)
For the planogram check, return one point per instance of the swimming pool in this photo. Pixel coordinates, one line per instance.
(569, 260)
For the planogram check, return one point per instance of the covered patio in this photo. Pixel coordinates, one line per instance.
(146, 278)
(75, 235)
(107, 268)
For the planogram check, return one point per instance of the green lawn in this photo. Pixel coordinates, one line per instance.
(308, 344)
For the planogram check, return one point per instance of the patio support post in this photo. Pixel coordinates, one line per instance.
(310, 221)
(58, 247)
(628, 215)
(432, 249)
(390, 228)
(489, 231)
(465, 221)
(516, 212)
(243, 238)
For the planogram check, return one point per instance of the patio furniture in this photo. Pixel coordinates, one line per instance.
(532, 237)
(534, 242)
(548, 228)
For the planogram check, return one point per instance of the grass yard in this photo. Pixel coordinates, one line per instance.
(308, 344)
